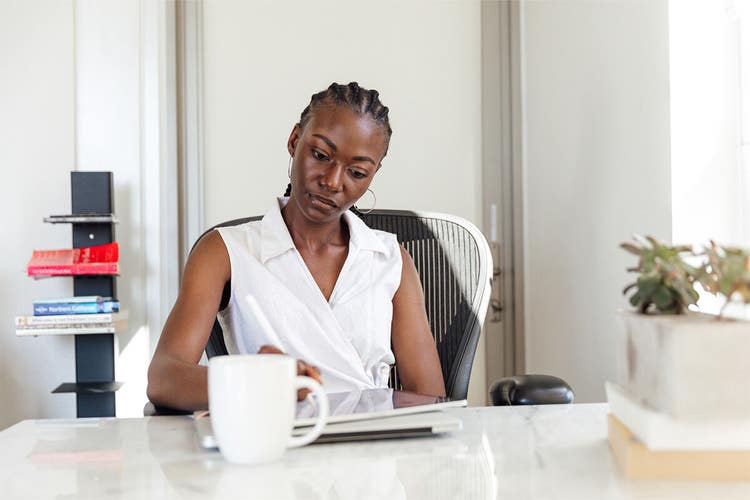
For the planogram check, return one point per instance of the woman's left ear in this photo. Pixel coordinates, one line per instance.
(291, 144)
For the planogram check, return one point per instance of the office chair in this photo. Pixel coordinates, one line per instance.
(454, 264)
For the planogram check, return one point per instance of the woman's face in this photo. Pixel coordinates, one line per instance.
(336, 156)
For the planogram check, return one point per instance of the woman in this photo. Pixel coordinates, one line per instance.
(342, 297)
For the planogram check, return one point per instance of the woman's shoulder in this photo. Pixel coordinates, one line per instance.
(241, 227)
(239, 231)
(390, 241)
(240, 239)
(384, 236)
(209, 259)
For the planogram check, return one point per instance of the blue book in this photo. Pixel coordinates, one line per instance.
(78, 299)
(51, 308)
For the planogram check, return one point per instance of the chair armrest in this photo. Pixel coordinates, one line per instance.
(530, 390)
(151, 410)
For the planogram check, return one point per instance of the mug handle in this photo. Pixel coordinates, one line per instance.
(322, 400)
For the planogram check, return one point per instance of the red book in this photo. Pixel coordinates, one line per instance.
(101, 259)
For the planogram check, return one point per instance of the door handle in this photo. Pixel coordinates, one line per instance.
(496, 294)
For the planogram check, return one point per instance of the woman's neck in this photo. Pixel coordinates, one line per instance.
(314, 237)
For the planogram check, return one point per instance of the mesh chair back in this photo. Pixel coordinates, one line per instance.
(454, 264)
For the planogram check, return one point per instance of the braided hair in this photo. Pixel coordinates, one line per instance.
(360, 100)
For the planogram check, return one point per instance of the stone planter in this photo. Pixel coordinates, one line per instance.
(688, 366)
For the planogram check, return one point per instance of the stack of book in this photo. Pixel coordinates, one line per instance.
(648, 443)
(73, 316)
(99, 259)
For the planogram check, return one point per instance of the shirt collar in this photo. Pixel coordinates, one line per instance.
(276, 240)
(361, 236)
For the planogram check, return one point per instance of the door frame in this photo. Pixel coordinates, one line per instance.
(502, 184)
(189, 62)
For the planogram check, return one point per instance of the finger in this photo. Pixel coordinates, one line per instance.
(269, 349)
(314, 373)
(302, 394)
(308, 371)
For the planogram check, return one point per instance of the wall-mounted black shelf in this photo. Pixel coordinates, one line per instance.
(87, 387)
(92, 223)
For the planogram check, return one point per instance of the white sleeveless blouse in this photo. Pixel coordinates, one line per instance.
(347, 337)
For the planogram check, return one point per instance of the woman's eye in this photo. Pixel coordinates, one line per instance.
(358, 175)
(318, 155)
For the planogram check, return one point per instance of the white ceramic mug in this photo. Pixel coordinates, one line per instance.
(252, 400)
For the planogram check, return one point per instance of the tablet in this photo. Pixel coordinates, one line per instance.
(372, 403)
(365, 415)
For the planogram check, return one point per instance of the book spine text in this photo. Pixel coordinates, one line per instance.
(76, 308)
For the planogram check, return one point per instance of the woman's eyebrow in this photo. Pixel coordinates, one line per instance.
(326, 140)
(333, 146)
(364, 158)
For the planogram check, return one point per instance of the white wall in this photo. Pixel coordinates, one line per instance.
(596, 100)
(37, 152)
(112, 124)
(82, 89)
(264, 59)
(126, 116)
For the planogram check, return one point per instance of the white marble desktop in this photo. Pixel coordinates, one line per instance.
(507, 452)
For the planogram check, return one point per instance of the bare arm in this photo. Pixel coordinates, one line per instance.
(416, 356)
(174, 377)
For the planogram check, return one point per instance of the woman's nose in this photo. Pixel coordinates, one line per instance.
(333, 178)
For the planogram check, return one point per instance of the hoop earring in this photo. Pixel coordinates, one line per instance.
(289, 170)
(374, 202)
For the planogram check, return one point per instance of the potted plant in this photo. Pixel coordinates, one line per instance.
(680, 362)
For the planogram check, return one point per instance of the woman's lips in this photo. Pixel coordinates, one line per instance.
(323, 200)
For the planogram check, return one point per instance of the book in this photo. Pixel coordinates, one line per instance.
(70, 308)
(79, 298)
(660, 431)
(66, 326)
(638, 462)
(99, 259)
(68, 320)
(72, 325)
(77, 330)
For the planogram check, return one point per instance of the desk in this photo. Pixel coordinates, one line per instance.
(503, 452)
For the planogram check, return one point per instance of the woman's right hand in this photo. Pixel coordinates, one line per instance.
(303, 369)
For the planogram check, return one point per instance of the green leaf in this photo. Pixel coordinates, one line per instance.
(647, 285)
(629, 247)
(663, 299)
